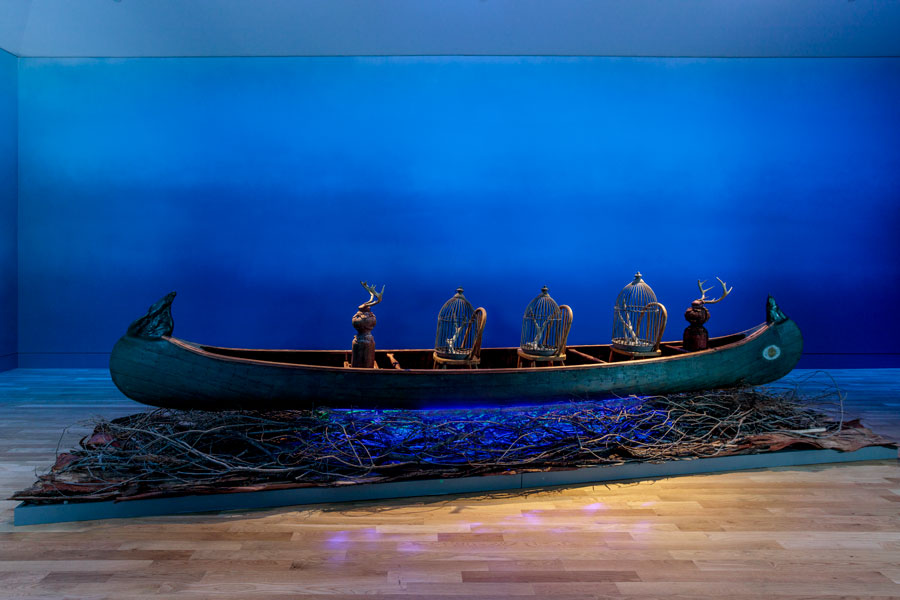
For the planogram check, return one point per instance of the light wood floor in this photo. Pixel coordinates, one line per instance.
(811, 532)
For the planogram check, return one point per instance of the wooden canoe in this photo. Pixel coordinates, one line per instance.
(150, 366)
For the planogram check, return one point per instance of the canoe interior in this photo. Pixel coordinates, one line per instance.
(491, 358)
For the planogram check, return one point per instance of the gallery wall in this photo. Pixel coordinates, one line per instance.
(8, 198)
(264, 189)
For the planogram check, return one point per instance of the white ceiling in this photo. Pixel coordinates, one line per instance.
(728, 28)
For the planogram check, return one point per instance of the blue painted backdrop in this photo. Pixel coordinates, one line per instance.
(8, 193)
(263, 190)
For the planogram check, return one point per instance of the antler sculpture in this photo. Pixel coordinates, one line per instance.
(373, 293)
(696, 337)
(702, 298)
(362, 353)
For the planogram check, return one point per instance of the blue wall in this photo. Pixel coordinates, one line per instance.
(8, 200)
(263, 190)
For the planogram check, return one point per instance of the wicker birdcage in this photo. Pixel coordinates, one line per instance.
(639, 319)
(458, 328)
(542, 326)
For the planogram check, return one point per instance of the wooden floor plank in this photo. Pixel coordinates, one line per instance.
(795, 532)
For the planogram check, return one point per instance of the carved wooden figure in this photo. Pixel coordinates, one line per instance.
(362, 353)
(696, 337)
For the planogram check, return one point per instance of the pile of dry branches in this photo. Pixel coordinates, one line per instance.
(169, 451)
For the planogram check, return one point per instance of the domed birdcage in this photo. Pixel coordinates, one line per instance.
(639, 319)
(459, 331)
(545, 328)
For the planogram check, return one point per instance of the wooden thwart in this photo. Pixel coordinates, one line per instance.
(585, 356)
(394, 362)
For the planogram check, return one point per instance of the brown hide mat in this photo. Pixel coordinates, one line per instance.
(170, 453)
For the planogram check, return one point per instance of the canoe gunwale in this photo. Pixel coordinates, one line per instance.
(750, 335)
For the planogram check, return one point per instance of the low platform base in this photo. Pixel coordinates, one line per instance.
(34, 514)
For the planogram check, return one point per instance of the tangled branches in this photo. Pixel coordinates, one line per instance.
(169, 451)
